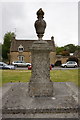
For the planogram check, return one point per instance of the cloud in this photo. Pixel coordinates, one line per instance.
(61, 19)
(79, 23)
(39, 1)
(0, 22)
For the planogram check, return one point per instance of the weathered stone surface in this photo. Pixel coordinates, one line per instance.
(40, 83)
(17, 102)
(43, 116)
(40, 24)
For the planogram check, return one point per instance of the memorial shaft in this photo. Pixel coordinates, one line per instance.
(40, 83)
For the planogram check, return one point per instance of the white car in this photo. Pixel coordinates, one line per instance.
(70, 64)
(6, 66)
(21, 64)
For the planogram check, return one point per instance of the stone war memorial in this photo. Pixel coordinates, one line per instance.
(40, 98)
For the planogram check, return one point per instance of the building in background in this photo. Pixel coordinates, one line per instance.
(19, 50)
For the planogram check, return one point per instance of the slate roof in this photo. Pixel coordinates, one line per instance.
(27, 44)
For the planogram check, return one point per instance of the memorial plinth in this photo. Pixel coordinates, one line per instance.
(40, 83)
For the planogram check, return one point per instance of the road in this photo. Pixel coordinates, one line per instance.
(55, 68)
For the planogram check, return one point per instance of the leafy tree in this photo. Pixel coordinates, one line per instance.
(0, 49)
(6, 45)
(78, 47)
(70, 47)
(59, 50)
(67, 49)
(0, 52)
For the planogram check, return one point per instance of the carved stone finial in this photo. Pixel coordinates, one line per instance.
(40, 24)
(40, 13)
(52, 38)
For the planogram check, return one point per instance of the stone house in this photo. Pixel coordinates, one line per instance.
(77, 56)
(73, 57)
(19, 50)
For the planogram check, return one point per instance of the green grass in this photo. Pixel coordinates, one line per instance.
(24, 76)
(15, 76)
(65, 76)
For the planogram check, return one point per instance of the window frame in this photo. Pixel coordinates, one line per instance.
(20, 47)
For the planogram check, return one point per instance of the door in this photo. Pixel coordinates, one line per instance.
(21, 58)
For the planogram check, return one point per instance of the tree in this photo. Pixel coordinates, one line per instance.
(67, 49)
(59, 50)
(6, 45)
(0, 52)
(78, 47)
(0, 49)
(70, 47)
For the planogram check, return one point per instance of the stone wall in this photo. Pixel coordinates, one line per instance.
(27, 56)
(63, 59)
(14, 56)
(52, 57)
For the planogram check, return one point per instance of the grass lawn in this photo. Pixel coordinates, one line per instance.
(65, 76)
(24, 76)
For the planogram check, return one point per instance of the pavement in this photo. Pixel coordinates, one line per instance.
(17, 103)
(4, 90)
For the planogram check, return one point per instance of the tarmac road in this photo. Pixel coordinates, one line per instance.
(55, 68)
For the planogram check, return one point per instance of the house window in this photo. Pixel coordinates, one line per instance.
(21, 58)
(20, 48)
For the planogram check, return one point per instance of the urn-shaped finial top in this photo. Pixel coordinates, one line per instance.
(40, 13)
(52, 38)
(40, 24)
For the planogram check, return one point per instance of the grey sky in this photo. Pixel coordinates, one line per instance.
(61, 18)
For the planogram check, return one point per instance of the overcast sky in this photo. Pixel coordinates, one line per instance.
(61, 17)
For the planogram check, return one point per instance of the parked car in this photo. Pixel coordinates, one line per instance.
(6, 66)
(70, 64)
(21, 64)
(29, 67)
(52, 65)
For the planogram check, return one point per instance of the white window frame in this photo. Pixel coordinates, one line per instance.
(21, 48)
(21, 58)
